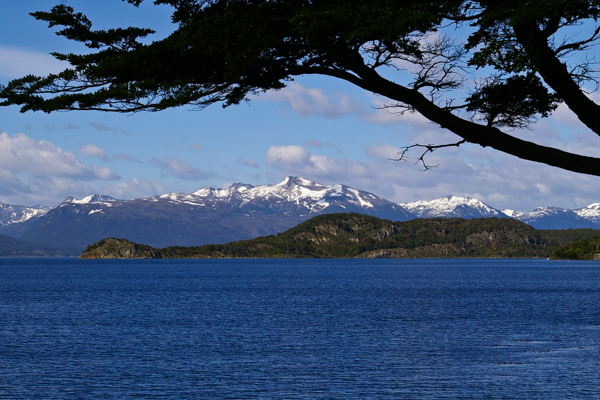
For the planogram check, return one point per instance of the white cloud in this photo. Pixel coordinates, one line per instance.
(197, 146)
(92, 150)
(564, 116)
(40, 190)
(384, 152)
(288, 156)
(384, 112)
(16, 63)
(21, 154)
(34, 171)
(295, 160)
(134, 188)
(567, 118)
(314, 102)
(178, 168)
(104, 173)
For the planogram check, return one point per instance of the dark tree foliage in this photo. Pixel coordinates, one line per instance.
(506, 64)
(586, 249)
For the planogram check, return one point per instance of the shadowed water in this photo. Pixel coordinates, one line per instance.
(299, 329)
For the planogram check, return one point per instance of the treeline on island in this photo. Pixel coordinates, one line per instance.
(586, 249)
(350, 235)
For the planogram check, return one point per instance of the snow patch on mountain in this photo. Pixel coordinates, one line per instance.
(555, 218)
(302, 198)
(591, 212)
(452, 206)
(14, 214)
(361, 201)
(94, 198)
(512, 213)
(302, 192)
(544, 211)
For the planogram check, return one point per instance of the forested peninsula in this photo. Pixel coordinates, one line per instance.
(350, 235)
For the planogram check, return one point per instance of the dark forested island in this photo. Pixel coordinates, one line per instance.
(350, 235)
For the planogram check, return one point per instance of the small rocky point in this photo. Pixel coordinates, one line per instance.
(118, 248)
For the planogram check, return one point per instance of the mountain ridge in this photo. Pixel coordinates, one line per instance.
(244, 211)
(206, 216)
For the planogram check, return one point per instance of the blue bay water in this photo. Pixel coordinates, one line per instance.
(299, 329)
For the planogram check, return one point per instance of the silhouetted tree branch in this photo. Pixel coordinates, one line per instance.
(513, 66)
(429, 148)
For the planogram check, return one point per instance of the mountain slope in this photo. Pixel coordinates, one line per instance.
(243, 211)
(10, 247)
(158, 222)
(363, 236)
(557, 218)
(452, 207)
(539, 218)
(590, 213)
(206, 216)
(14, 214)
(301, 197)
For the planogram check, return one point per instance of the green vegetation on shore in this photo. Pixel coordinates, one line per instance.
(350, 235)
(586, 249)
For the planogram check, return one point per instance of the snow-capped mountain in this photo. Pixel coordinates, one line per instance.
(452, 206)
(539, 218)
(590, 213)
(208, 215)
(558, 218)
(243, 211)
(16, 220)
(310, 196)
(14, 214)
(512, 213)
(298, 196)
(94, 198)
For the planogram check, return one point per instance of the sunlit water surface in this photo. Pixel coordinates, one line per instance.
(299, 329)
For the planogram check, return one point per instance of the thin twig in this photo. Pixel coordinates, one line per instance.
(429, 148)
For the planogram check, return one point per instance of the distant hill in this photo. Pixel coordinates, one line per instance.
(346, 235)
(10, 247)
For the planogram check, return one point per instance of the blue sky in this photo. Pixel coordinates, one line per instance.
(318, 128)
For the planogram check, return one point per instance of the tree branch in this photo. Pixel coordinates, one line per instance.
(580, 45)
(429, 148)
(556, 74)
(485, 136)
